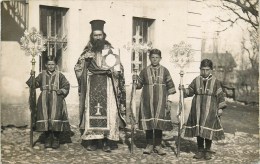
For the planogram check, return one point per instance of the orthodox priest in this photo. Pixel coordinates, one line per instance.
(101, 90)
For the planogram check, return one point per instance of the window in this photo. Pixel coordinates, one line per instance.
(142, 39)
(53, 28)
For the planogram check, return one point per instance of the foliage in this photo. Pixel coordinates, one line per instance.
(245, 10)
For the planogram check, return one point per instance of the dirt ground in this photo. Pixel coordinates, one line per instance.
(240, 146)
(242, 118)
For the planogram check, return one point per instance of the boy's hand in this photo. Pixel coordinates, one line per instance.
(59, 92)
(168, 107)
(220, 111)
(134, 77)
(32, 72)
(181, 87)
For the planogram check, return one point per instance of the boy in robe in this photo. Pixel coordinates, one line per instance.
(207, 106)
(51, 114)
(156, 83)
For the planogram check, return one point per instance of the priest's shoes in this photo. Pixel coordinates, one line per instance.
(107, 149)
(106, 146)
(92, 147)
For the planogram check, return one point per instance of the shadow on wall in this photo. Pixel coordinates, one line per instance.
(13, 17)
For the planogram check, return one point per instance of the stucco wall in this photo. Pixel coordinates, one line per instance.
(170, 27)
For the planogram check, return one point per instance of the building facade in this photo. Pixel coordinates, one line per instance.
(65, 25)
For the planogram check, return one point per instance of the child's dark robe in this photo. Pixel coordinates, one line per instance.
(203, 119)
(51, 111)
(157, 84)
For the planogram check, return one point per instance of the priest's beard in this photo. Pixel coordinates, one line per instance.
(98, 45)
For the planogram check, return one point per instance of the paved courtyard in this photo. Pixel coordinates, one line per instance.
(236, 148)
(239, 146)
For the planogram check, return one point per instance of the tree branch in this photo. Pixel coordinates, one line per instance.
(232, 22)
(251, 9)
(233, 10)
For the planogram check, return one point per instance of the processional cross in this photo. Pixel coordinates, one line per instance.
(138, 47)
(181, 54)
(33, 44)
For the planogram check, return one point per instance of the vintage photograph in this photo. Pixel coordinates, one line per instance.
(129, 81)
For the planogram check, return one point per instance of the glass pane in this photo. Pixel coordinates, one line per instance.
(43, 22)
(141, 30)
(59, 24)
(52, 25)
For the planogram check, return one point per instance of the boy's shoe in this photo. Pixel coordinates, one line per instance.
(208, 155)
(159, 150)
(199, 154)
(148, 149)
(48, 142)
(55, 143)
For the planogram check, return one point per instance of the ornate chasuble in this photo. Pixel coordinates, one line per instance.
(99, 88)
(100, 91)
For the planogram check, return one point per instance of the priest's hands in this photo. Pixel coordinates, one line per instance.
(122, 110)
(89, 55)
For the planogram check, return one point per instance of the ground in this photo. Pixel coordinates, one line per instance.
(241, 144)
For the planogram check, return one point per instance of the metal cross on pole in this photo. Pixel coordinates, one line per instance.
(181, 54)
(33, 44)
(138, 47)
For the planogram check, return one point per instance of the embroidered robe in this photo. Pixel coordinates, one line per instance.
(156, 84)
(203, 119)
(51, 111)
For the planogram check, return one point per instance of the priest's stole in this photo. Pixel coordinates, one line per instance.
(98, 110)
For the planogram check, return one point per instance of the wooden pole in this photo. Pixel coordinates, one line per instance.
(133, 109)
(32, 101)
(180, 114)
